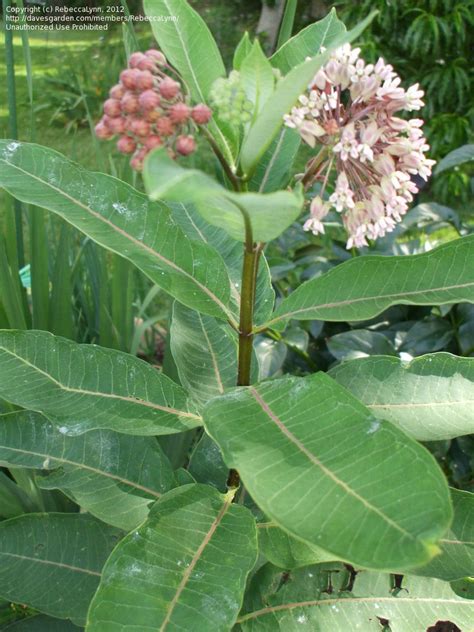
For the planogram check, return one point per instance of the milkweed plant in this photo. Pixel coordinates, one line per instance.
(215, 496)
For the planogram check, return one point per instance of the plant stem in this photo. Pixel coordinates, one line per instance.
(249, 281)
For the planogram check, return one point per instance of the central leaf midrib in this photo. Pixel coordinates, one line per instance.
(316, 461)
(196, 557)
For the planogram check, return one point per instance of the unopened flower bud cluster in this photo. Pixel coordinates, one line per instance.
(350, 111)
(147, 109)
(229, 99)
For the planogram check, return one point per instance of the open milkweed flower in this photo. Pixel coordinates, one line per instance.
(349, 110)
(148, 109)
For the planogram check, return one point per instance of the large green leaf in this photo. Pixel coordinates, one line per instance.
(308, 42)
(274, 169)
(320, 465)
(457, 546)
(99, 469)
(313, 599)
(185, 568)
(52, 562)
(456, 157)
(196, 227)
(205, 353)
(190, 48)
(363, 287)
(430, 398)
(121, 219)
(266, 127)
(85, 387)
(269, 214)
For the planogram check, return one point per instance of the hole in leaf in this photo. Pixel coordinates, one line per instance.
(444, 626)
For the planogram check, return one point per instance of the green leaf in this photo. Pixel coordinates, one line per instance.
(319, 465)
(456, 559)
(266, 127)
(196, 227)
(40, 623)
(269, 214)
(365, 286)
(52, 562)
(257, 77)
(308, 42)
(206, 464)
(185, 568)
(205, 353)
(187, 43)
(190, 48)
(121, 219)
(285, 551)
(84, 387)
(242, 50)
(456, 157)
(359, 343)
(98, 469)
(311, 601)
(274, 169)
(430, 398)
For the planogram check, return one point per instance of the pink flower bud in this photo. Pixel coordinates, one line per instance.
(185, 145)
(129, 103)
(164, 126)
(145, 80)
(129, 78)
(179, 113)
(153, 141)
(138, 157)
(169, 88)
(135, 59)
(112, 107)
(152, 116)
(157, 56)
(116, 125)
(201, 114)
(140, 127)
(126, 145)
(117, 91)
(102, 131)
(149, 100)
(147, 64)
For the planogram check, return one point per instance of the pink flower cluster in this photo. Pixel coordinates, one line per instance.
(147, 109)
(349, 110)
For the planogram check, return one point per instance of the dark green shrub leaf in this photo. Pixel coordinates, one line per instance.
(457, 546)
(430, 398)
(307, 42)
(99, 469)
(53, 562)
(120, 218)
(365, 286)
(321, 466)
(311, 600)
(84, 387)
(184, 568)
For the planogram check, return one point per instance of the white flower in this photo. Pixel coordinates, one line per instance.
(349, 109)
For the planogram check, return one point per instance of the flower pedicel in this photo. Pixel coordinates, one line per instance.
(349, 109)
(148, 109)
